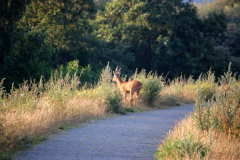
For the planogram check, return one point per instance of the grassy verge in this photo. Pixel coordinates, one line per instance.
(186, 141)
(213, 130)
(31, 112)
(35, 110)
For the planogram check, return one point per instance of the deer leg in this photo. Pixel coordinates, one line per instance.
(131, 97)
(137, 96)
(125, 94)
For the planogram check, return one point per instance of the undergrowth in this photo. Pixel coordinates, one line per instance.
(177, 149)
(213, 130)
(35, 109)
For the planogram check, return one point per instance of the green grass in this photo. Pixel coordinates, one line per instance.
(178, 149)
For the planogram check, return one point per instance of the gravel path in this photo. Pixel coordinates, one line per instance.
(129, 137)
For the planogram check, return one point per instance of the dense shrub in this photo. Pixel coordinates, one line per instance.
(206, 85)
(222, 111)
(152, 85)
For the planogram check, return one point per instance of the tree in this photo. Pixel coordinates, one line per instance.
(36, 36)
(10, 12)
(226, 45)
(162, 35)
(66, 25)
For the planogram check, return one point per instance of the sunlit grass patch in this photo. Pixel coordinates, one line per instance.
(177, 92)
(213, 128)
(178, 149)
(206, 144)
(37, 109)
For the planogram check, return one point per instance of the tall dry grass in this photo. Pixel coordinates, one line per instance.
(197, 144)
(37, 109)
(34, 110)
(182, 90)
(213, 130)
(108, 93)
(178, 91)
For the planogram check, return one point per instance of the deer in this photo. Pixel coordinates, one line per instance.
(127, 87)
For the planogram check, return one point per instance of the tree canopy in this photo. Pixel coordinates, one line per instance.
(162, 35)
(165, 36)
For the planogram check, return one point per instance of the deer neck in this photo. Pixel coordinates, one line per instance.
(119, 81)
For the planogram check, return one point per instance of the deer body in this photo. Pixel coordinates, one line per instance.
(127, 87)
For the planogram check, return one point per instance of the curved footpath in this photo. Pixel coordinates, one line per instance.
(129, 137)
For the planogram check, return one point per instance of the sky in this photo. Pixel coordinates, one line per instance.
(199, 1)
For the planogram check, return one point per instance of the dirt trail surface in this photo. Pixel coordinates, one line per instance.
(129, 137)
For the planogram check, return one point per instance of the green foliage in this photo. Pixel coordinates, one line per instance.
(62, 87)
(151, 85)
(71, 68)
(181, 148)
(206, 88)
(229, 7)
(106, 91)
(65, 24)
(113, 102)
(206, 85)
(42, 35)
(163, 35)
(226, 46)
(5, 156)
(112, 95)
(221, 113)
(85, 73)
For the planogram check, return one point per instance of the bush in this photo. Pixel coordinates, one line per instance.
(152, 85)
(113, 102)
(206, 85)
(222, 111)
(85, 74)
(176, 149)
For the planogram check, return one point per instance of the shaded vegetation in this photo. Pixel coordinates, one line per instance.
(164, 36)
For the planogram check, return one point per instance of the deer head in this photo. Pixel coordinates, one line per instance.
(116, 74)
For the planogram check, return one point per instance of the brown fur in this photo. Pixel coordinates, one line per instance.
(127, 87)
